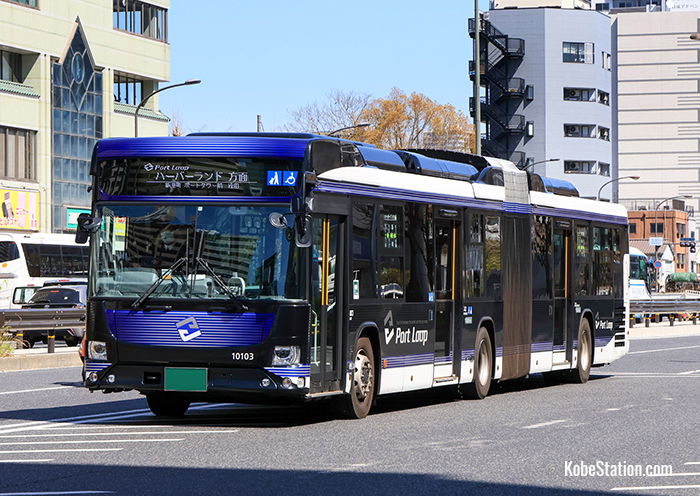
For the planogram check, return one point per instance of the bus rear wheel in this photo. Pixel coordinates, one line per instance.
(167, 405)
(483, 367)
(357, 404)
(582, 371)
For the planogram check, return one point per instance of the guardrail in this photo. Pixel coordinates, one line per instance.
(656, 308)
(40, 319)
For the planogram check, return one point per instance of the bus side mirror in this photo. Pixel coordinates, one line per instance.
(302, 230)
(86, 224)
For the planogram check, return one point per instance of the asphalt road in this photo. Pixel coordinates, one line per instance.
(526, 438)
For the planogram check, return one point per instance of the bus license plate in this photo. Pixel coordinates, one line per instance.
(183, 379)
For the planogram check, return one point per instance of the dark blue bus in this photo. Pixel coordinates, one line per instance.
(244, 267)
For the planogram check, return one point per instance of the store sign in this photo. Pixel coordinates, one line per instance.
(19, 210)
(656, 241)
(683, 5)
(72, 216)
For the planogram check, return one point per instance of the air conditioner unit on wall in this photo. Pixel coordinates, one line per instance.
(571, 93)
(570, 130)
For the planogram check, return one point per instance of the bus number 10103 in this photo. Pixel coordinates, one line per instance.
(243, 356)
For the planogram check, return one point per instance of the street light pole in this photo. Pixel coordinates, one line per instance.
(361, 124)
(145, 99)
(539, 162)
(656, 214)
(477, 79)
(633, 178)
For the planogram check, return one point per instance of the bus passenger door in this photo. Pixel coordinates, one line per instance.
(326, 303)
(446, 234)
(562, 288)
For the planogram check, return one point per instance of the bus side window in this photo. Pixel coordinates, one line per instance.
(391, 235)
(583, 270)
(541, 257)
(419, 252)
(8, 251)
(475, 256)
(492, 256)
(364, 256)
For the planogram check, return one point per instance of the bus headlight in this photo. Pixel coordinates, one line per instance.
(97, 350)
(286, 355)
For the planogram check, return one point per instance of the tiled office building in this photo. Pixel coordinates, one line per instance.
(71, 72)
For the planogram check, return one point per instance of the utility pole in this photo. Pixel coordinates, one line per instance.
(477, 78)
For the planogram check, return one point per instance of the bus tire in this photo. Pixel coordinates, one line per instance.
(72, 341)
(584, 354)
(483, 367)
(167, 405)
(358, 403)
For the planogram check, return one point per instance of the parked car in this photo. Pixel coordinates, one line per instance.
(74, 296)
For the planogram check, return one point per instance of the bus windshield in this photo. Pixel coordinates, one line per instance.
(194, 251)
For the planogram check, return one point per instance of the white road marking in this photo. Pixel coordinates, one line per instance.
(14, 452)
(134, 433)
(543, 424)
(56, 493)
(691, 463)
(28, 461)
(649, 488)
(99, 417)
(663, 349)
(34, 390)
(647, 376)
(689, 372)
(91, 441)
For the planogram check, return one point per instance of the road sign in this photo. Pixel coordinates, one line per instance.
(656, 241)
(657, 264)
(687, 240)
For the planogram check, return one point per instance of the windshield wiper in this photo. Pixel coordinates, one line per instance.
(200, 261)
(157, 283)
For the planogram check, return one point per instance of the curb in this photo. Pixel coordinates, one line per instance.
(35, 362)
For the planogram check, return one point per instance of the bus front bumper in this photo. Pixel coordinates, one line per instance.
(215, 384)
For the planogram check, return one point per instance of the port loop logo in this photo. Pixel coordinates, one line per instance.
(188, 329)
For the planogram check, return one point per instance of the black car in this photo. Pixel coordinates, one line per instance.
(57, 297)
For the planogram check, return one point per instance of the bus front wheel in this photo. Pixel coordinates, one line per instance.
(483, 367)
(357, 404)
(167, 405)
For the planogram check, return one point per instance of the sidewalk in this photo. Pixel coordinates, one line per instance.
(680, 328)
(39, 358)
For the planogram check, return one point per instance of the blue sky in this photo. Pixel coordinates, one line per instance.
(270, 57)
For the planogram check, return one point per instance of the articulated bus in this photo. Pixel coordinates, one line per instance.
(243, 267)
(30, 260)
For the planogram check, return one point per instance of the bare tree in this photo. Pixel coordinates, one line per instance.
(342, 109)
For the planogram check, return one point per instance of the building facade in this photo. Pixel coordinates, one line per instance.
(548, 93)
(71, 72)
(658, 121)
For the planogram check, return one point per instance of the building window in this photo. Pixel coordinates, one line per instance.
(17, 153)
(603, 97)
(604, 169)
(680, 229)
(579, 94)
(656, 228)
(606, 60)
(632, 228)
(579, 130)
(28, 3)
(603, 133)
(681, 260)
(140, 18)
(579, 167)
(580, 53)
(11, 66)
(127, 89)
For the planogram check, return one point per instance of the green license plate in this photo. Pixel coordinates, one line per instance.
(182, 379)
